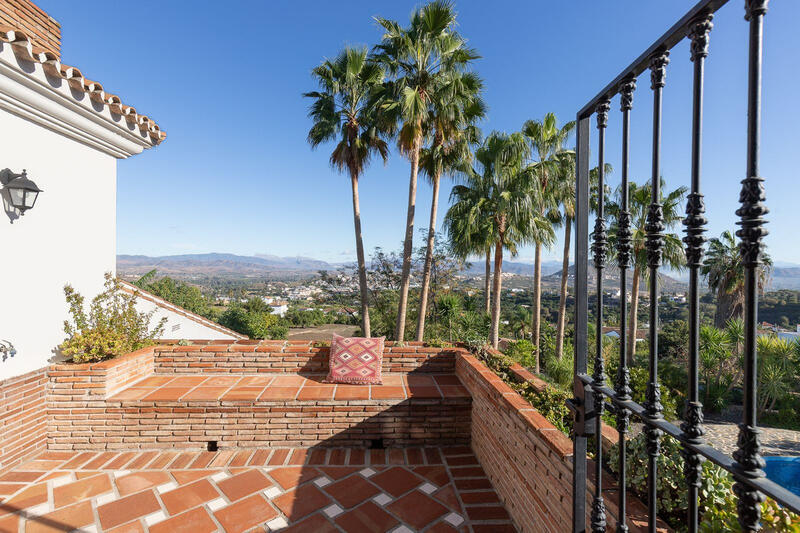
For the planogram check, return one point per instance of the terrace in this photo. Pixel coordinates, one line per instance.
(245, 436)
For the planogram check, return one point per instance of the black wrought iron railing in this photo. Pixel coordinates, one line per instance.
(591, 394)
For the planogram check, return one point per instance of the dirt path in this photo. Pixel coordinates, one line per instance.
(321, 333)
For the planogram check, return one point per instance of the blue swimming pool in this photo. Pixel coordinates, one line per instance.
(784, 471)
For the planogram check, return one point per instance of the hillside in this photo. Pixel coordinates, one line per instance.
(222, 265)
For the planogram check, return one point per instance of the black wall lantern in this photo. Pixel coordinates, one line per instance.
(22, 192)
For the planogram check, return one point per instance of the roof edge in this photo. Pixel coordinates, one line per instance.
(130, 288)
(117, 126)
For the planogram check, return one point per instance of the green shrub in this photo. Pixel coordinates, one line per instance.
(560, 370)
(521, 351)
(551, 404)
(717, 501)
(112, 327)
(254, 319)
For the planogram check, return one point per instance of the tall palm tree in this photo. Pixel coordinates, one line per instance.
(344, 110)
(498, 191)
(565, 192)
(454, 110)
(477, 239)
(546, 140)
(639, 198)
(724, 271)
(420, 58)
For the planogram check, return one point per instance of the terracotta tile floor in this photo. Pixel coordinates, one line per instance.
(291, 490)
(289, 387)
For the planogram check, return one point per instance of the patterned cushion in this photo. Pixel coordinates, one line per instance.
(355, 360)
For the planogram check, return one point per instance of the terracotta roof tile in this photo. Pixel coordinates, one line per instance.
(22, 46)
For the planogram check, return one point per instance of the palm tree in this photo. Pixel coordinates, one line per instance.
(546, 140)
(476, 240)
(454, 110)
(565, 192)
(420, 58)
(638, 202)
(725, 275)
(497, 191)
(344, 110)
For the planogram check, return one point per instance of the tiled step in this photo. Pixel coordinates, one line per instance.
(295, 490)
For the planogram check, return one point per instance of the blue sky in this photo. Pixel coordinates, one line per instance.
(236, 174)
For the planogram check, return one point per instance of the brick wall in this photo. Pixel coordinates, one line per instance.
(77, 383)
(528, 460)
(40, 28)
(23, 417)
(520, 374)
(250, 357)
(191, 424)
(82, 416)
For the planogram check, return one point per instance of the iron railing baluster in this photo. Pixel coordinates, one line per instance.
(581, 323)
(695, 223)
(624, 250)
(746, 465)
(599, 248)
(654, 244)
(751, 232)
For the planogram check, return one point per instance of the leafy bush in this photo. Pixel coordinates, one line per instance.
(177, 292)
(305, 318)
(551, 402)
(717, 501)
(112, 327)
(521, 351)
(254, 319)
(560, 370)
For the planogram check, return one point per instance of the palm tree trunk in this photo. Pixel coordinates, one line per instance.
(426, 271)
(634, 314)
(537, 303)
(562, 301)
(405, 279)
(487, 282)
(494, 334)
(362, 266)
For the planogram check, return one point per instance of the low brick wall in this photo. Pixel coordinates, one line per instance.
(23, 417)
(528, 460)
(250, 357)
(192, 424)
(78, 383)
(83, 417)
(522, 375)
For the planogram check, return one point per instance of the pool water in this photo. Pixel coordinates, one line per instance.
(784, 471)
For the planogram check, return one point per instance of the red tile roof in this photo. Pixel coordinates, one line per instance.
(23, 48)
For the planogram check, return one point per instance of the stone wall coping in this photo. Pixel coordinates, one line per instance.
(103, 365)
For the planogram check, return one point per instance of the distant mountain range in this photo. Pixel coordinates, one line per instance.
(785, 276)
(512, 267)
(221, 265)
(260, 265)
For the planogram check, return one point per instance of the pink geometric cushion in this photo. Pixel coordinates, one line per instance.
(355, 360)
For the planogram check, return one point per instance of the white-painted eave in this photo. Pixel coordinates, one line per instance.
(29, 92)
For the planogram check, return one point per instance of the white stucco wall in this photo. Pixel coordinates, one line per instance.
(179, 326)
(68, 237)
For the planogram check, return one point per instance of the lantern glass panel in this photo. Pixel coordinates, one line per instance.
(30, 198)
(17, 197)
